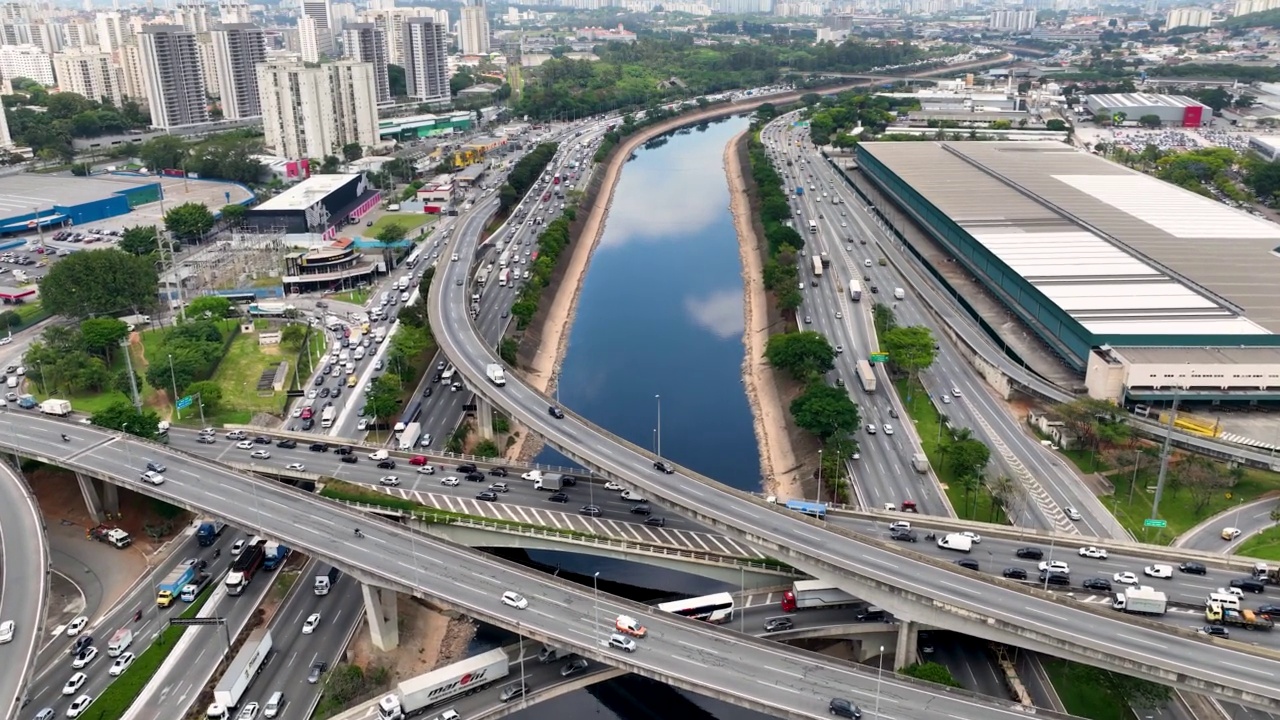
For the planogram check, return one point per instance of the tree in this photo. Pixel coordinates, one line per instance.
(508, 349)
(1203, 479)
(163, 153)
(210, 394)
(140, 240)
(968, 457)
(388, 236)
(189, 221)
(233, 214)
(1055, 125)
(208, 307)
(292, 335)
(911, 349)
(102, 335)
(10, 319)
(486, 449)
(384, 398)
(825, 411)
(931, 672)
(803, 354)
(100, 282)
(352, 152)
(124, 417)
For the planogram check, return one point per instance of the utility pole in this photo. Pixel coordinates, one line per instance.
(133, 379)
(1164, 453)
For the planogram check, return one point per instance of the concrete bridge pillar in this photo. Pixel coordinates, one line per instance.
(484, 417)
(908, 638)
(384, 619)
(110, 499)
(91, 500)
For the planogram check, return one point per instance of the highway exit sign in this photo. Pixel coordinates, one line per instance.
(879, 357)
(1150, 522)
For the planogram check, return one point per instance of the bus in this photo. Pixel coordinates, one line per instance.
(716, 608)
(812, 509)
(327, 417)
(817, 266)
(813, 226)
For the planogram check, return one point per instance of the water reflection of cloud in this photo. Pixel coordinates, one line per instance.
(720, 312)
(677, 201)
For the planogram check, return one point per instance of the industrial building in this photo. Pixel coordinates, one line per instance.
(319, 205)
(1173, 110)
(1141, 286)
(59, 200)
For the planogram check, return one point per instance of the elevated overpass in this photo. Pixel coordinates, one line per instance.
(24, 588)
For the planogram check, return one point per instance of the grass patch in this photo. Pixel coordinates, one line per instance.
(1265, 545)
(1177, 505)
(283, 584)
(95, 403)
(1082, 696)
(359, 296)
(239, 371)
(30, 312)
(408, 221)
(265, 282)
(115, 700)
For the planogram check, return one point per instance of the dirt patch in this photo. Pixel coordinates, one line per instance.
(60, 500)
(428, 639)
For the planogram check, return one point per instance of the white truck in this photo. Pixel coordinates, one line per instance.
(1142, 600)
(957, 542)
(409, 436)
(551, 482)
(379, 334)
(53, 406)
(246, 666)
(324, 582)
(899, 294)
(807, 594)
(920, 462)
(120, 642)
(328, 416)
(465, 677)
(496, 374)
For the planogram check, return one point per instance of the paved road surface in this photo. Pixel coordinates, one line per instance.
(23, 587)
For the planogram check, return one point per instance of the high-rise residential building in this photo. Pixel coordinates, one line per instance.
(90, 72)
(192, 16)
(129, 58)
(314, 112)
(1012, 20)
(365, 42)
(311, 40)
(473, 29)
(1189, 17)
(172, 76)
(234, 12)
(80, 34)
(426, 67)
(28, 61)
(47, 36)
(322, 14)
(238, 48)
(208, 70)
(6, 140)
(391, 21)
(113, 30)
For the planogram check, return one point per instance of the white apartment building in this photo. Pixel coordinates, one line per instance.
(208, 68)
(391, 20)
(322, 32)
(234, 12)
(311, 40)
(1246, 7)
(113, 30)
(1189, 17)
(365, 42)
(28, 61)
(1012, 20)
(312, 112)
(473, 29)
(172, 76)
(238, 48)
(426, 67)
(6, 140)
(79, 34)
(90, 72)
(129, 58)
(192, 16)
(47, 36)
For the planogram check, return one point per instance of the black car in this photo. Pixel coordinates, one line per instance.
(474, 476)
(845, 709)
(498, 471)
(555, 412)
(324, 392)
(1055, 578)
(287, 444)
(903, 535)
(1101, 584)
(655, 521)
(559, 497)
(308, 423)
(81, 643)
(337, 393)
(1269, 609)
(387, 464)
(350, 459)
(641, 510)
(319, 447)
(1030, 553)
(1015, 573)
(318, 381)
(436, 378)
(467, 468)
(1194, 568)
(663, 467)
(427, 392)
(487, 495)
(262, 440)
(317, 669)
(343, 450)
(1215, 631)
(779, 624)
(969, 563)
(1249, 585)
(591, 510)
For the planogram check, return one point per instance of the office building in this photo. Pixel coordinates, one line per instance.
(1013, 21)
(113, 30)
(28, 61)
(172, 76)
(364, 42)
(473, 29)
(90, 72)
(425, 64)
(1189, 17)
(238, 48)
(312, 112)
(322, 29)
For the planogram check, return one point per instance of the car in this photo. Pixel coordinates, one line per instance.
(498, 471)
(969, 564)
(955, 392)
(6, 631)
(499, 487)
(1054, 566)
(844, 708)
(779, 624)
(262, 440)
(46, 714)
(1193, 568)
(299, 467)
(260, 455)
(74, 684)
(1215, 631)
(1015, 573)
(389, 480)
(156, 466)
(1158, 571)
(349, 459)
(249, 712)
(1055, 578)
(946, 399)
(1269, 609)
(312, 622)
(641, 509)
(1030, 553)
(611, 485)
(206, 439)
(287, 444)
(487, 496)
(85, 657)
(1230, 533)
(1096, 553)
(560, 497)
(474, 477)
(1125, 578)
(379, 455)
(973, 536)
(871, 429)
(152, 477)
(387, 465)
(233, 435)
(245, 445)
(81, 643)
(1248, 585)
(515, 600)
(655, 521)
(555, 412)
(590, 510)
(418, 460)
(574, 666)
(903, 535)
(468, 468)
(317, 669)
(663, 467)
(888, 429)
(122, 663)
(451, 481)
(75, 626)
(323, 447)
(238, 546)
(78, 706)
(1101, 584)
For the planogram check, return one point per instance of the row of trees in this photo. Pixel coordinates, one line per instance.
(75, 359)
(47, 122)
(525, 175)
(552, 243)
(781, 268)
(99, 283)
(224, 156)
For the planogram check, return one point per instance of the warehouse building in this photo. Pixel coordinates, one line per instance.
(1139, 285)
(1173, 110)
(317, 206)
(54, 200)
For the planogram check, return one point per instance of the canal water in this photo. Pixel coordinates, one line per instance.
(658, 333)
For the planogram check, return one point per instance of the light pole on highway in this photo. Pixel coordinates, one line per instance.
(659, 429)
(595, 587)
(742, 596)
(173, 383)
(879, 677)
(124, 428)
(819, 500)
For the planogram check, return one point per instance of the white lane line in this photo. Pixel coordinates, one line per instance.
(1144, 642)
(697, 647)
(691, 662)
(780, 687)
(784, 672)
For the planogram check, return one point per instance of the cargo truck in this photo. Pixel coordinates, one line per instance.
(52, 406)
(324, 582)
(1141, 600)
(120, 642)
(496, 374)
(245, 566)
(809, 594)
(551, 482)
(409, 436)
(208, 532)
(855, 291)
(192, 590)
(26, 402)
(866, 376)
(328, 416)
(415, 695)
(247, 665)
(273, 309)
(274, 555)
(172, 584)
(920, 462)
(826, 260)
(1247, 619)
(112, 536)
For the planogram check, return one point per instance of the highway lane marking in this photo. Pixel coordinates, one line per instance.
(525, 516)
(784, 672)
(691, 662)
(776, 686)
(1144, 642)
(699, 648)
(965, 590)
(716, 540)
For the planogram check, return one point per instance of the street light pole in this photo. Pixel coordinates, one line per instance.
(659, 399)
(879, 677)
(742, 597)
(174, 384)
(595, 586)
(819, 475)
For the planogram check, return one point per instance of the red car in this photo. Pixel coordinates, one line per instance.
(306, 413)
(418, 460)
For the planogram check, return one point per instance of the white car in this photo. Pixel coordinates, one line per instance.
(1125, 578)
(151, 477)
(1230, 533)
(260, 455)
(1093, 552)
(973, 536)
(78, 706)
(73, 685)
(379, 455)
(249, 712)
(295, 466)
(245, 444)
(450, 481)
(121, 664)
(1072, 513)
(888, 429)
(532, 475)
(426, 470)
(238, 547)
(313, 621)
(611, 485)
(363, 424)
(75, 626)
(1056, 566)
(85, 657)
(6, 632)
(1158, 571)
(515, 600)
(389, 480)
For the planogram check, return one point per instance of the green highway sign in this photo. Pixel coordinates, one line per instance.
(879, 357)
(1149, 522)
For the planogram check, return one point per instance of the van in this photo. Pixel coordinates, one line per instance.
(872, 614)
(273, 705)
(630, 626)
(12, 382)
(955, 541)
(1225, 600)
(359, 354)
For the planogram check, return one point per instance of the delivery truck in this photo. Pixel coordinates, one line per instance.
(247, 665)
(169, 588)
(496, 374)
(465, 677)
(274, 555)
(409, 436)
(208, 532)
(192, 590)
(808, 594)
(552, 482)
(1141, 600)
(324, 581)
(120, 642)
(1247, 619)
(53, 406)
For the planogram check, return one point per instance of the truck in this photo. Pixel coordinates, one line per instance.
(809, 594)
(328, 416)
(53, 406)
(379, 334)
(247, 665)
(112, 536)
(120, 641)
(799, 191)
(866, 377)
(192, 590)
(1142, 600)
(446, 377)
(415, 695)
(899, 294)
(504, 258)
(552, 482)
(409, 436)
(208, 532)
(324, 581)
(1247, 619)
(274, 555)
(245, 566)
(133, 322)
(172, 584)
(271, 309)
(855, 291)
(812, 509)
(496, 374)
(504, 277)
(920, 462)
(26, 402)
(826, 260)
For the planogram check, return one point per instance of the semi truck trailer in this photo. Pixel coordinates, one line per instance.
(172, 584)
(246, 666)
(809, 594)
(1141, 600)
(415, 695)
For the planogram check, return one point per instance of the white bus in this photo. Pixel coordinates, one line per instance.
(327, 417)
(813, 226)
(716, 608)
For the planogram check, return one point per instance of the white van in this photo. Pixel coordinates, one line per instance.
(359, 354)
(1225, 600)
(273, 705)
(12, 382)
(955, 541)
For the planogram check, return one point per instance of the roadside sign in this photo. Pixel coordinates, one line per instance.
(1151, 522)
(184, 403)
(879, 357)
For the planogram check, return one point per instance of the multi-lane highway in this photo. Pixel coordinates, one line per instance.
(23, 588)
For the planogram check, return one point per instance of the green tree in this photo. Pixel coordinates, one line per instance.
(802, 354)
(1203, 479)
(1055, 125)
(1084, 418)
(352, 152)
(140, 240)
(384, 399)
(189, 221)
(124, 417)
(1150, 121)
(210, 394)
(292, 335)
(825, 411)
(102, 335)
(10, 319)
(911, 349)
(968, 457)
(508, 349)
(165, 152)
(208, 307)
(233, 214)
(100, 282)
(486, 449)
(931, 672)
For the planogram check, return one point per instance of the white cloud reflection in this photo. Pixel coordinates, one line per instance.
(720, 312)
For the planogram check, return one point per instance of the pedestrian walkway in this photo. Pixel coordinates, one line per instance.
(1236, 439)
